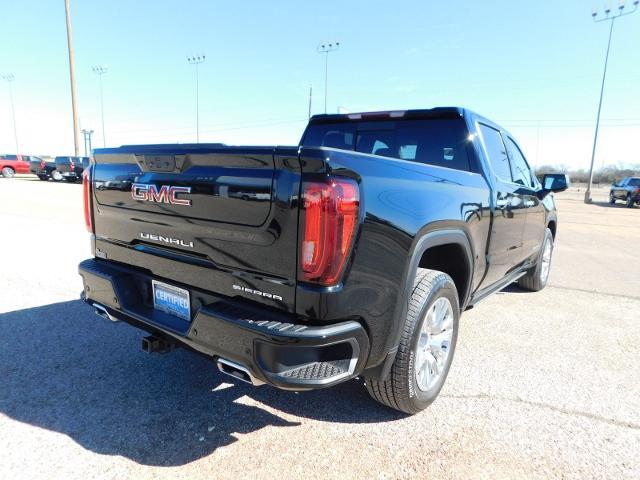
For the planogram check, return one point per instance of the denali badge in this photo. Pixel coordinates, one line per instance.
(257, 292)
(169, 240)
(166, 193)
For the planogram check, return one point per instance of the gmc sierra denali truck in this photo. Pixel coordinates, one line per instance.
(352, 254)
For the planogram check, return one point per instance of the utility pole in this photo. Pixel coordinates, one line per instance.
(327, 48)
(197, 60)
(87, 141)
(607, 18)
(72, 77)
(101, 70)
(9, 78)
(310, 98)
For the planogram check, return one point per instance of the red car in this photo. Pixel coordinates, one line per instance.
(12, 164)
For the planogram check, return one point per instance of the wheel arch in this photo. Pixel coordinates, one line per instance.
(425, 253)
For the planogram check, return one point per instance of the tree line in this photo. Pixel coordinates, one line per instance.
(607, 174)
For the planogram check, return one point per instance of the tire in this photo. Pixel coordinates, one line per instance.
(56, 176)
(612, 198)
(405, 389)
(536, 278)
(44, 178)
(8, 172)
(630, 201)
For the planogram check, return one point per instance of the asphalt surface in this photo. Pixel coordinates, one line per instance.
(543, 385)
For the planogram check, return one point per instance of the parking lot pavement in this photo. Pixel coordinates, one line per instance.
(543, 385)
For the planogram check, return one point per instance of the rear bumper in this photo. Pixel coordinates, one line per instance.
(272, 347)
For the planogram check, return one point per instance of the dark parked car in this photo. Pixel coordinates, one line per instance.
(71, 168)
(353, 253)
(627, 190)
(47, 170)
(12, 164)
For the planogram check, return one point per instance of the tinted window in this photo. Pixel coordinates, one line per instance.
(331, 135)
(519, 168)
(434, 142)
(634, 182)
(496, 151)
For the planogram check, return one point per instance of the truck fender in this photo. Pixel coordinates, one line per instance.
(430, 239)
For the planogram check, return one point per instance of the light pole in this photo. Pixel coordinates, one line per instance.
(610, 18)
(87, 141)
(197, 60)
(101, 70)
(327, 48)
(310, 99)
(72, 78)
(9, 78)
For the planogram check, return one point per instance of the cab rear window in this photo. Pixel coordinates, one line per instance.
(434, 142)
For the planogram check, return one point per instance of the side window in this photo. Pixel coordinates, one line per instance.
(494, 146)
(519, 168)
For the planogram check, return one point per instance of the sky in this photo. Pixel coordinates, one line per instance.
(534, 67)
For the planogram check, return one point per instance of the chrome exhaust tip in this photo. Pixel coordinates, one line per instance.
(104, 313)
(237, 371)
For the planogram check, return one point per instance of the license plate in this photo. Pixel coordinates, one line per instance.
(172, 300)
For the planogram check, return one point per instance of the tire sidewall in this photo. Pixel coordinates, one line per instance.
(444, 287)
(548, 237)
(8, 172)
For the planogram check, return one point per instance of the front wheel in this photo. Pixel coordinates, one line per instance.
(536, 278)
(424, 356)
(56, 176)
(612, 198)
(8, 172)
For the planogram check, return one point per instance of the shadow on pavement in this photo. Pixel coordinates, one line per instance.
(618, 204)
(66, 370)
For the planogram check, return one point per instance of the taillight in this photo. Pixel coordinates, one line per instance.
(86, 199)
(330, 223)
(72, 167)
(43, 165)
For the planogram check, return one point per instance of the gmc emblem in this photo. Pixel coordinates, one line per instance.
(166, 194)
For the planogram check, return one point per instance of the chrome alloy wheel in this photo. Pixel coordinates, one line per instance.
(434, 344)
(546, 262)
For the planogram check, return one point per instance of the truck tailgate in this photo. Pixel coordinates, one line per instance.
(219, 219)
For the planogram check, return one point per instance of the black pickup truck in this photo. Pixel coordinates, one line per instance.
(70, 168)
(351, 254)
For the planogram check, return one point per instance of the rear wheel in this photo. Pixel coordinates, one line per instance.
(56, 176)
(426, 348)
(630, 202)
(44, 178)
(536, 278)
(612, 198)
(8, 172)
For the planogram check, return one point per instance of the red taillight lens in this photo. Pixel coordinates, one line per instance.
(42, 164)
(330, 221)
(86, 199)
(72, 167)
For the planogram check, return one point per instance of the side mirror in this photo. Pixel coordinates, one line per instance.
(554, 182)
